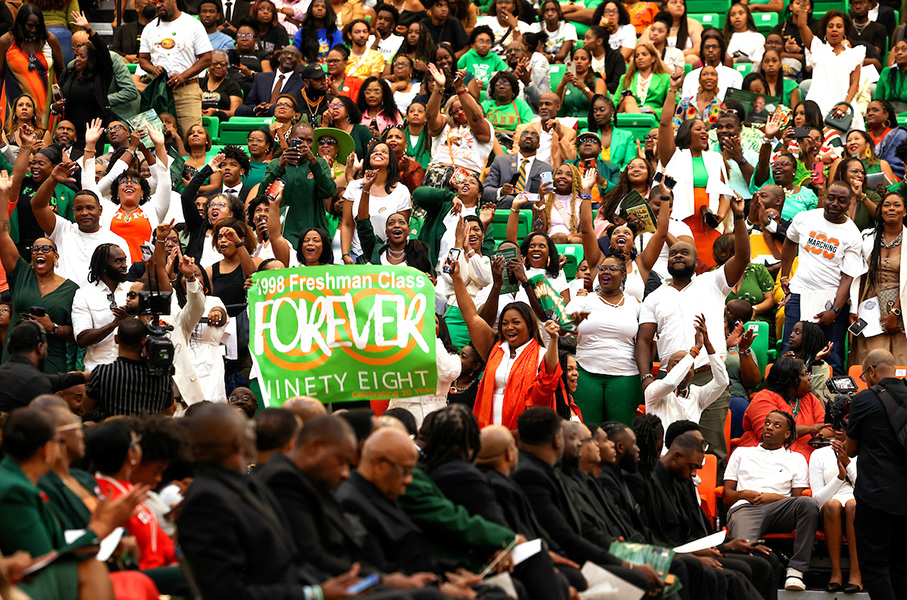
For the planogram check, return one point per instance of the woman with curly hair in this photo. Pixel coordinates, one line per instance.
(419, 47)
(613, 16)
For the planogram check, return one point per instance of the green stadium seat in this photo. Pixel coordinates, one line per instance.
(687, 68)
(708, 19)
(213, 151)
(636, 120)
(708, 6)
(744, 68)
(765, 21)
(557, 73)
(132, 67)
(237, 129)
(574, 254)
(212, 126)
(500, 224)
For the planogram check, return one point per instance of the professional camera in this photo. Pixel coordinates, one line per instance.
(158, 346)
(837, 412)
(842, 384)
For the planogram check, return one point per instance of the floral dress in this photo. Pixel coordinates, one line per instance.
(688, 109)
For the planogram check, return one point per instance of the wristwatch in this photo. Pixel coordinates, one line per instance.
(895, 311)
(56, 328)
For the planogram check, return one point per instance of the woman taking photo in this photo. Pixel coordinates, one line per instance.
(519, 374)
(86, 84)
(777, 84)
(30, 60)
(685, 33)
(618, 145)
(576, 91)
(887, 134)
(318, 34)
(418, 143)
(836, 64)
(401, 78)
(560, 35)
(645, 84)
(411, 173)
(462, 136)
(419, 47)
(34, 284)
(343, 114)
(700, 173)
(271, 34)
(705, 105)
(220, 96)
(385, 196)
(808, 114)
(376, 103)
(786, 388)
(883, 250)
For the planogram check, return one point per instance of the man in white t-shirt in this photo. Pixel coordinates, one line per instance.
(764, 487)
(177, 43)
(384, 40)
(712, 51)
(670, 312)
(76, 242)
(830, 257)
(678, 231)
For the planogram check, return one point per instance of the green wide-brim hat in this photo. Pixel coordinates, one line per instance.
(345, 141)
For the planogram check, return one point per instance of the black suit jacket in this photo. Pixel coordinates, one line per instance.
(235, 537)
(886, 18)
(241, 10)
(261, 92)
(394, 542)
(23, 382)
(598, 498)
(465, 485)
(613, 481)
(326, 538)
(243, 192)
(556, 510)
(516, 508)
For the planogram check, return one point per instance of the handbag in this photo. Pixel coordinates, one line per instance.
(843, 122)
(887, 300)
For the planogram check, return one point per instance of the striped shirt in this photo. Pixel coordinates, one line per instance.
(127, 387)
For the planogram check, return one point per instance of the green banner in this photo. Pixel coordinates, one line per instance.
(343, 333)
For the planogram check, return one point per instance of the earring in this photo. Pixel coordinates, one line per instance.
(132, 462)
(623, 284)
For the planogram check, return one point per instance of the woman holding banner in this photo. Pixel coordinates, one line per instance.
(519, 374)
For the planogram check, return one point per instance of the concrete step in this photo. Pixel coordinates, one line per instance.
(820, 595)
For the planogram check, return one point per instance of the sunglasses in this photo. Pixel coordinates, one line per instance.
(132, 295)
(43, 249)
(327, 141)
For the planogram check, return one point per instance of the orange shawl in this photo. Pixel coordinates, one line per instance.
(528, 384)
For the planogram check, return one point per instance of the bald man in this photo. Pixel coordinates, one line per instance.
(305, 407)
(232, 529)
(556, 141)
(881, 517)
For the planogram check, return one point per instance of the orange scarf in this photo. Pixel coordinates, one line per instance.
(527, 385)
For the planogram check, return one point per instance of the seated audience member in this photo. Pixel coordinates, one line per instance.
(541, 448)
(23, 373)
(524, 166)
(29, 524)
(556, 140)
(644, 87)
(443, 27)
(304, 407)
(244, 399)
(266, 87)
(129, 385)
(712, 51)
(787, 388)
(221, 95)
(210, 14)
(318, 34)
(763, 486)
(890, 86)
(674, 398)
(251, 61)
(576, 91)
(275, 433)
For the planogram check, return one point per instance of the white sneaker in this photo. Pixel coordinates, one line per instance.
(794, 581)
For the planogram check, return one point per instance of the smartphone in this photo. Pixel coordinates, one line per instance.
(818, 172)
(800, 133)
(571, 67)
(363, 584)
(514, 179)
(858, 327)
(233, 57)
(275, 189)
(657, 177)
(58, 94)
(546, 177)
(670, 182)
(147, 251)
(452, 256)
(294, 143)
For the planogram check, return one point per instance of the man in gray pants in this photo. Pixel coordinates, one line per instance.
(764, 487)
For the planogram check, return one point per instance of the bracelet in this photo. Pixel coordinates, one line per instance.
(157, 241)
(694, 351)
(646, 376)
(739, 217)
(345, 255)
(238, 245)
(586, 196)
(462, 92)
(516, 210)
(746, 352)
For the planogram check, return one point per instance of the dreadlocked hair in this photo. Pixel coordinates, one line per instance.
(649, 431)
(791, 425)
(575, 190)
(812, 341)
(454, 435)
(98, 263)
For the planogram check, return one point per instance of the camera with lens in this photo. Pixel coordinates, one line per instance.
(158, 347)
(837, 412)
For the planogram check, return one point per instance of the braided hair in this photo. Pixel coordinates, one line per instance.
(98, 264)
(454, 435)
(649, 432)
(576, 188)
(791, 425)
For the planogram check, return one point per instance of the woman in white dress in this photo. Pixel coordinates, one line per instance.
(836, 65)
(832, 475)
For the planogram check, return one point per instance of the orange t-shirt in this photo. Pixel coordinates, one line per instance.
(133, 227)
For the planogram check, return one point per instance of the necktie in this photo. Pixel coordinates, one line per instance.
(228, 11)
(234, 191)
(521, 178)
(279, 86)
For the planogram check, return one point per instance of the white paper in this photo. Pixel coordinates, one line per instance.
(869, 312)
(108, 544)
(597, 576)
(526, 550)
(813, 303)
(503, 581)
(603, 591)
(702, 543)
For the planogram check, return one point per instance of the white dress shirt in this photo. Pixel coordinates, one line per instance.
(91, 310)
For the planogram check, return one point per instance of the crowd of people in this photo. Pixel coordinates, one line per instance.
(722, 269)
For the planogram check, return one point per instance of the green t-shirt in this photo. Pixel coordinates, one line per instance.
(482, 68)
(805, 199)
(507, 117)
(256, 173)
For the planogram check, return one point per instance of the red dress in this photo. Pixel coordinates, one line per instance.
(810, 412)
(155, 545)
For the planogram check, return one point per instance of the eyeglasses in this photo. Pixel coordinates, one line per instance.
(293, 52)
(335, 105)
(327, 141)
(43, 249)
(612, 11)
(609, 269)
(217, 205)
(130, 180)
(284, 104)
(781, 163)
(405, 471)
(4, 309)
(112, 128)
(863, 374)
(135, 442)
(809, 375)
(650, 137)
(132, 295)
(220, 63)
(334, 61)
(401, 64)
(245, 36)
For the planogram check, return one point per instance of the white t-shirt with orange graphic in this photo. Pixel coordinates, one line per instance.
(826, 251)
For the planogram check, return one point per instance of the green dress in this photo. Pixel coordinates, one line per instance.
(23, 285)
(575, 102)
(256, 173)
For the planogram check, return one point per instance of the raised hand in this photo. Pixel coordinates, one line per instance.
(552, 329)
(588, 180)
(156, 135)
(187, 266)
(773, 125)
(6, 182)
(217, 161)
(676, 81)
(163, 229)
(738, 204)
(93, 132)
(62, 173)
(437, 75)
(369, 180)
(78, 18)
(824, 352)
(27, 135)
(497, 270)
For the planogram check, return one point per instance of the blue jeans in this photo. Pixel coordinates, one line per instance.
(738, 406)
(835, 332)
(64, 36)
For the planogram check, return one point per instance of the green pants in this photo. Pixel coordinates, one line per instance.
(608, 397)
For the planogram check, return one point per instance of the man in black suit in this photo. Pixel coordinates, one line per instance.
(511, 174)
(541, 448)
(235, 11)
(266, 87)
(232, 529)
(234, 167)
